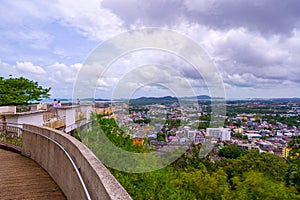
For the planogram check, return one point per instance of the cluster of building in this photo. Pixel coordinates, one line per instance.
(262, 135)
(249, 131)
(175, 123)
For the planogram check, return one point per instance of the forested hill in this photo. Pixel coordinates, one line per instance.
(237, 174)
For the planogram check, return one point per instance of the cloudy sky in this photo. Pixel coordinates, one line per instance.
(254, 44)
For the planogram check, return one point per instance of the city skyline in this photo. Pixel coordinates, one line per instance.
(254, 46)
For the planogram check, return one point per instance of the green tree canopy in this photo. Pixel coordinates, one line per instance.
(269, 164)
(255, 185)
(231, 151)
(18, 91)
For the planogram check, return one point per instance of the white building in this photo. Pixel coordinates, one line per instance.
(189, 133)
(220, 133)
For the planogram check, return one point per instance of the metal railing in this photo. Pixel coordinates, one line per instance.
(13, 130)
(11, 134)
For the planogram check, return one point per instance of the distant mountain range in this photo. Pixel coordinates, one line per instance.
(93, 99)
(201, 97)
(142, 99)
(167, 99)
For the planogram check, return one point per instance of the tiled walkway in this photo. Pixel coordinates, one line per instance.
(22, 178)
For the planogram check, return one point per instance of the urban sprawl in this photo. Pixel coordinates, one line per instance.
(265, 125)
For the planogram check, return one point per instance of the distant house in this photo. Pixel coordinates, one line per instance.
(220, 133)
(248, 146)
(152, 141)
(138, 141)
(296, 109)
(253, 135)
(285, 152)
(152, 136)
(172, 137)
(198, 138)
(266, 146)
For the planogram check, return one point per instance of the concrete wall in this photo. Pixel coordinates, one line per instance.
(87, 109)
(69, 113)
(8, 109)
(34, 117)
(100, 182)
(35, 107)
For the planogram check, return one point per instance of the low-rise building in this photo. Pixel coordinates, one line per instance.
(222, 134)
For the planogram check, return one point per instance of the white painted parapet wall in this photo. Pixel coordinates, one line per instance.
(8, 109)
(99, 182)
(31, 117)
(71, 117)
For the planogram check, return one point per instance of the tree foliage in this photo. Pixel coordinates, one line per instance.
(269, 164)
(18, 91)
(246, 175)
(231, 151)
(254, 185)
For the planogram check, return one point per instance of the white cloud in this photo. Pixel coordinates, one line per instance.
(149, 78)
(90, 19)
(6, 69)
(202, 6)
(34, 38)
(21, 12)
(28, 67)
(246, 58)
(60, 77)
(64, 73)
(76, 66)
(254, 47)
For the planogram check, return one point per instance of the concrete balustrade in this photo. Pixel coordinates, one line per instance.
(32, 117)
(69, 117)
(8, 109)
(100, 183)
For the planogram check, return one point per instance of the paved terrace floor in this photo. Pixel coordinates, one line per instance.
(22, 178)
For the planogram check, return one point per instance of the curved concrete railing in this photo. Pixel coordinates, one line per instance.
(100, 183)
